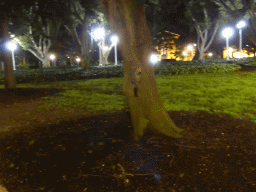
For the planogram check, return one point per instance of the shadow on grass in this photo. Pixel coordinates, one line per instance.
(24, 94)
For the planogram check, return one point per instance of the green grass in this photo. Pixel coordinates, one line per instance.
(88, 96)
(222, 93)
(231, 93)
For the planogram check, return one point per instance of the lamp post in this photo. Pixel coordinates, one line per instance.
(227, 32)
(210, 55)
(98, 35)
(240, 25)
(114, 40)
(11, 46)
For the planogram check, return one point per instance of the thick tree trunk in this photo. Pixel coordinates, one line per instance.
(201, 55)
(128, 21)
(84, 58)
(45, 62)
(105, 54)
(84, 47)
(10, 82)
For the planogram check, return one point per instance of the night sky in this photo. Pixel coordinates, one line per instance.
(177, 23)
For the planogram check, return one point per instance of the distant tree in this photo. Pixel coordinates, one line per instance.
(204, 15)
(9, 14)
(34, 32)
(105, 50)
(80, 19)
(128, 20)
(230, 10)
(10, 82)
(160, 13)
(236, 10)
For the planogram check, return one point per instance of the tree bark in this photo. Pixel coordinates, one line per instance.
(10, 82)
(84, 47)
(105, 53)
(127, 19)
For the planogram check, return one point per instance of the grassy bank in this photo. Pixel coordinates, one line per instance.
(222, 93)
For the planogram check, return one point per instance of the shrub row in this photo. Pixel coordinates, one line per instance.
(108, 71)
(194, 67)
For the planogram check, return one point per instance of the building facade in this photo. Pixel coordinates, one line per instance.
(165, 43)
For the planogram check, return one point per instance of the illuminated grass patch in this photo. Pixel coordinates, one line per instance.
(231, 93)
(221, 93)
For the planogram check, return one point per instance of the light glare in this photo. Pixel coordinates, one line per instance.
(99, 33)
(114, 39)
(190, 47)
(228, 32)
(11, 46)
(154, 59)
(241, 24)
(52, 57)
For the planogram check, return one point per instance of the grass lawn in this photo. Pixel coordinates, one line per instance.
(220, 93)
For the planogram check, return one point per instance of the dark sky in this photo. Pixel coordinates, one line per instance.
(177, 23)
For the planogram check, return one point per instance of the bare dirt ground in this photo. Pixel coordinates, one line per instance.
(97, 153)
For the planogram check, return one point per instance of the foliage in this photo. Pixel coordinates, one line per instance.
(82, 17)
(236, 10)
(158, 15)
(108, 71)
(34, 31)
(24, 66)
(192, 67)
(230, 10)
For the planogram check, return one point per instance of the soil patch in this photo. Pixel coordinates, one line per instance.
(97, 154)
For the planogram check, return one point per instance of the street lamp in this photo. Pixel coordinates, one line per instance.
(78, 59)
(114, 40)
(52, 57)
(240, 25)
(98, 35)
(210, 55)
(227, 32)
(11, 46)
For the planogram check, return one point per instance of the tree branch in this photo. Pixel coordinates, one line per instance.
(212, 36)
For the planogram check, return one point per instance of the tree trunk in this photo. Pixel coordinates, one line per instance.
(10, 82)
(127, 19)
(45, 62)
(196, 57)
(84, 58)
(84, 47)
(201, 55)
(106, 54)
